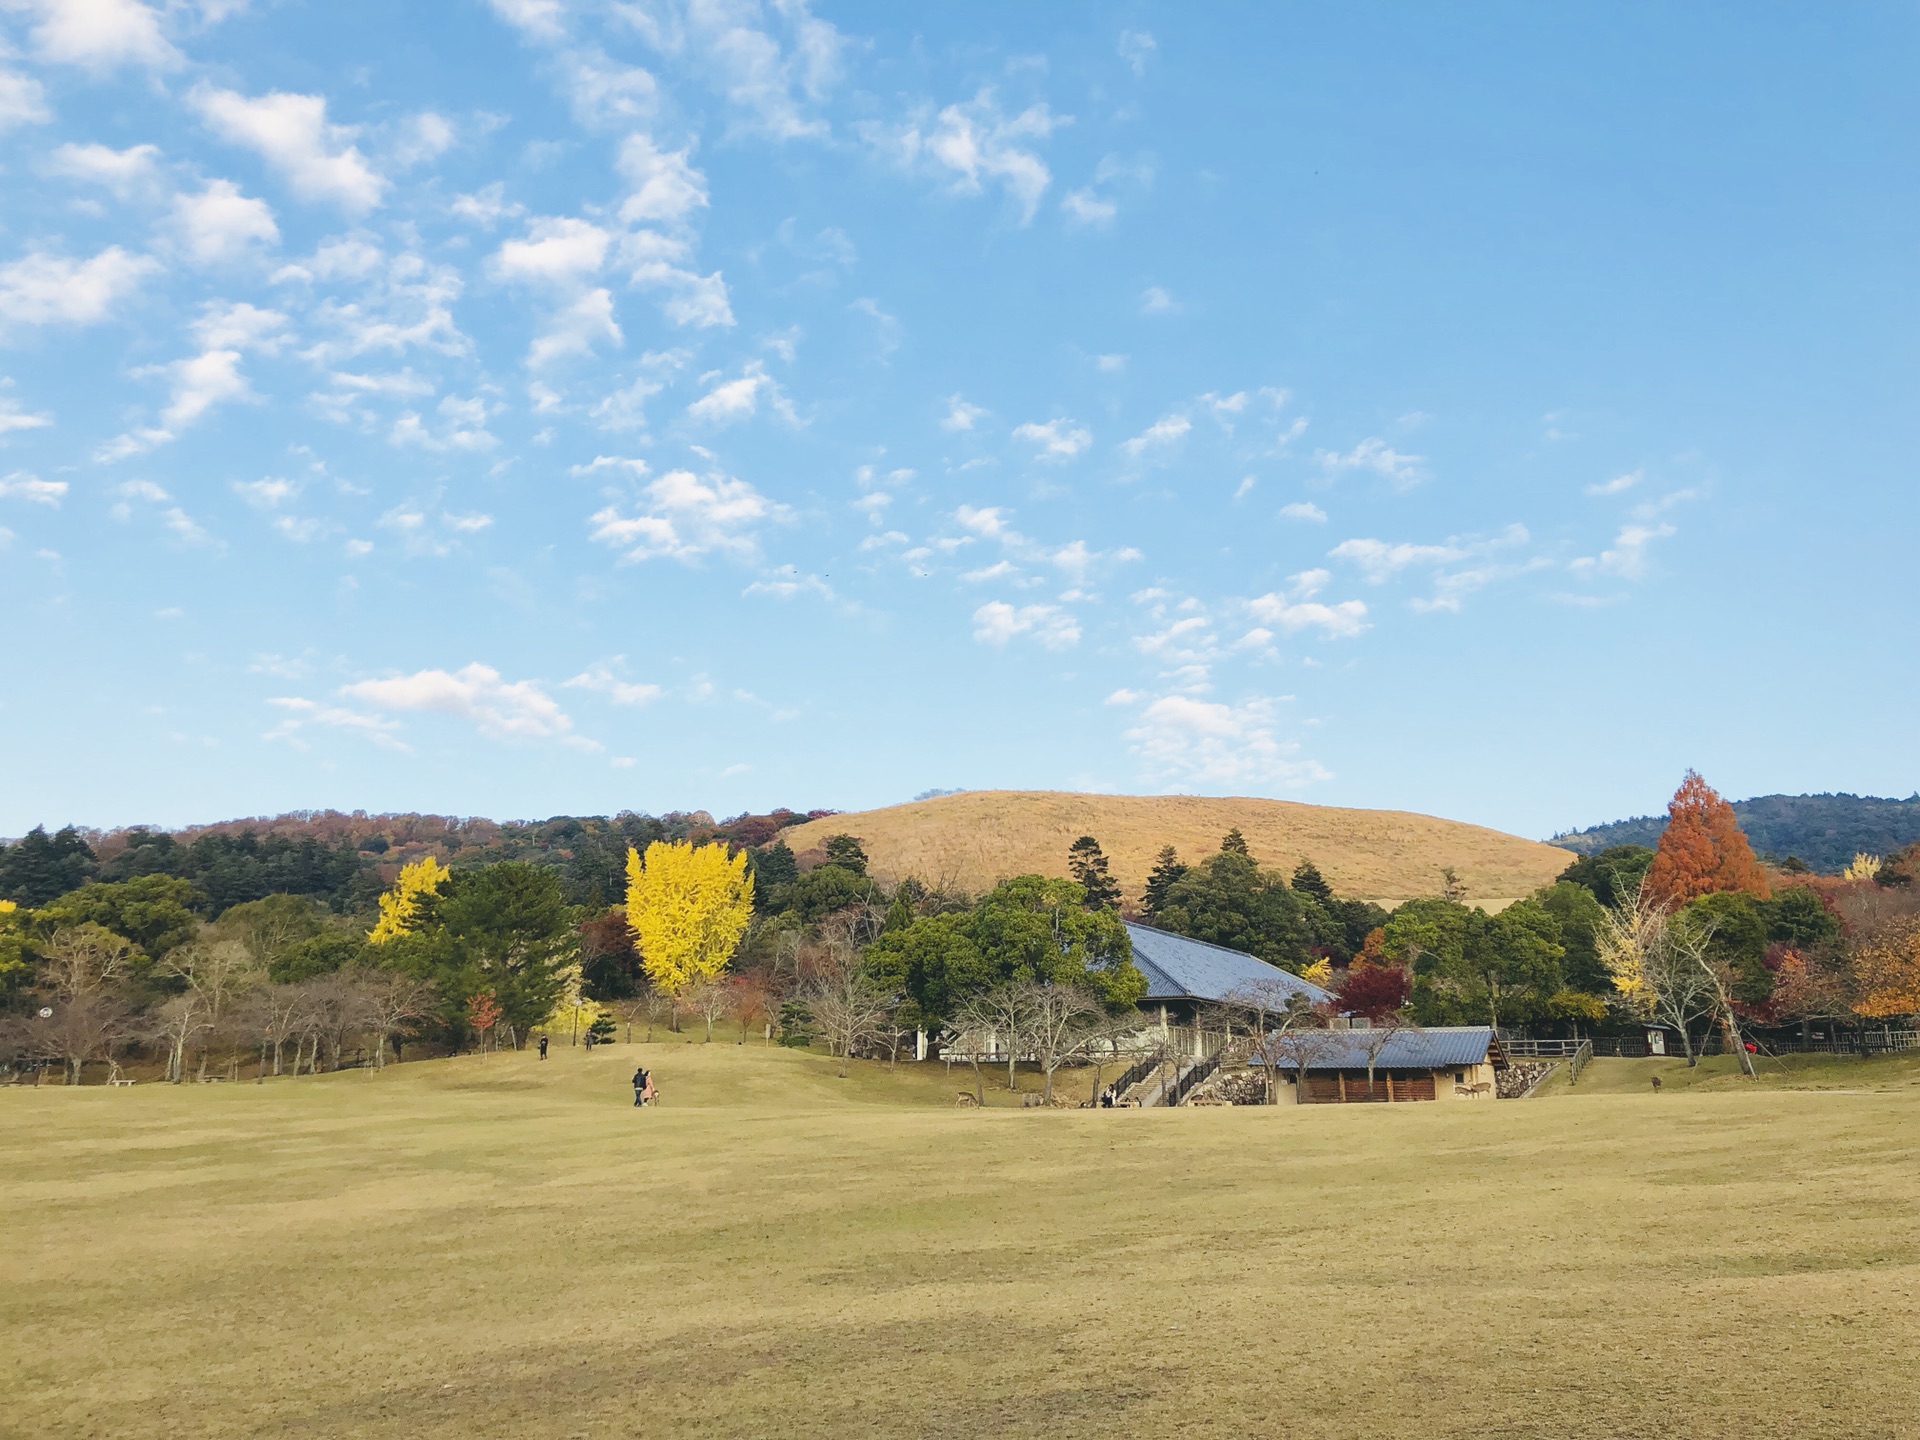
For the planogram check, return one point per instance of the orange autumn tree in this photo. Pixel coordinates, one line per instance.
(1703, 851)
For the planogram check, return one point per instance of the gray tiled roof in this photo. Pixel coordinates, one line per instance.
(1181, 969)
(1433, 1049)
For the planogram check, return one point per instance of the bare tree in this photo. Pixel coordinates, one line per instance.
(275, 1014)
(1657, 979)
(972, 1018)
(217, 972)
(82, 960)
(1273, 1009)
(1005, 1009)
(180, 1022)
(91, 1026)
(1063, 1023)
(1690, 938)
(337, 1008)
(850, 1006)
(1302, 1047)
(1378, 1035)
(710, 999)
(393, 1003)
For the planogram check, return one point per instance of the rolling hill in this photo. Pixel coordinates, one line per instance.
(976, 838)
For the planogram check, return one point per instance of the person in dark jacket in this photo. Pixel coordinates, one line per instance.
(543, 1047)
(642, 1085)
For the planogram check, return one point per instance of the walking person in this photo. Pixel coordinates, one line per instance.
(642, 1087)
(543, 1047)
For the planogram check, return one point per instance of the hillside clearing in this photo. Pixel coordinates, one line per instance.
(979, 837)
(492, 1246)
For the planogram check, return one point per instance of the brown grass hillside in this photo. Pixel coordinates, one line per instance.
(978, 838)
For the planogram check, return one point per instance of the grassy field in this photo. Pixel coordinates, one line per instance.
(495, 1246)
(983, 836)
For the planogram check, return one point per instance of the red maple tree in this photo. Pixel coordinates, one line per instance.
(1373, 990)
(483, 1013)
(1703, 851)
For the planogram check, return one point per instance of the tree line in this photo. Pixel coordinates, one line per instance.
(695, 927)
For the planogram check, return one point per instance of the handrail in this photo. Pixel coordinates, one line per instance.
(1579, 1061)
(1196, 1075)
(1135, 1073)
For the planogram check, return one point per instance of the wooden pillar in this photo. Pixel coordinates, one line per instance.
(1342, 1076)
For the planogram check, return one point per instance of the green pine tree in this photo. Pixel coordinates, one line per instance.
(1088, 865)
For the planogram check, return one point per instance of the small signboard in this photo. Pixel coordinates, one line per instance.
(1656, 1042)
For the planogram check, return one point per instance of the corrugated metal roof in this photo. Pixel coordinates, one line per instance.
(1433, 1049)
(1178, 968)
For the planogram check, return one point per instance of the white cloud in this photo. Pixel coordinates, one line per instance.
(1110, 364)
(45, 289)
(499, 709)
(1619, 485)
(577, 329)
(1379, 561)
(1374, 455)
(625, 409)
(1295, 609)
(1156, 301)
(302, 712)
(291, 133)
(22, 486)
(666, 187)
(1136, 48)
(268, 494)
(606, 93)
(240, 326)
(791, 586)
(1304, 510)
(423, 137)
(12, 417)
(997, 622)
(97, 34)
(487, 206)
(1627, 556)
(686, 517)
(463, 426)
(1162, 433)
(974, 144)
(1085, 207)
(960, 415)
(23, 101)
(541, 19)
(557, 250)
(769, 77)
(691, 298)
(739, 398)
(621, 692)
(124, 172)
(1057, 441)
(1184, 741)
(219, 224)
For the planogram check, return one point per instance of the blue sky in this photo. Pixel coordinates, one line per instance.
(572, 405)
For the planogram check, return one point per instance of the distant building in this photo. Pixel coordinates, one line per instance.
(1452, 1062)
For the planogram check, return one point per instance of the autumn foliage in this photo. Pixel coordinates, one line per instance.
(1703, 851)
(1887, 971)
(1373, 990)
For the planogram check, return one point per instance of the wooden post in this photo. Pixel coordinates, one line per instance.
(1342, 1077)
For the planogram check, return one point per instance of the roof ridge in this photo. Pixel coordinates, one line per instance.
(1210, 944)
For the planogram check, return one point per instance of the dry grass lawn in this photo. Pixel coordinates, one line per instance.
(495, 1247)
(978, 838)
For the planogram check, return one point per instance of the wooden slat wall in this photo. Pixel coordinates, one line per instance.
(1350, 1088)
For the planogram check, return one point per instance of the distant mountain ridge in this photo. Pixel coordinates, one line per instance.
(1826, 831)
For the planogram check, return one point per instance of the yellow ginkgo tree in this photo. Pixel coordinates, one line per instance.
(400, 906)
(688, 907)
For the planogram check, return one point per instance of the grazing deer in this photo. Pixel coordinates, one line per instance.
(965, 1098)
(1656, 1084)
